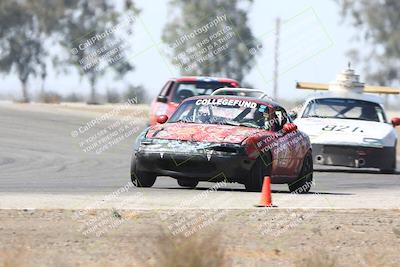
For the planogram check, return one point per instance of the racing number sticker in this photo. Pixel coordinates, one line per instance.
(339, 128)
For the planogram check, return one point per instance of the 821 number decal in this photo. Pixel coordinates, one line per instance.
(340, 128)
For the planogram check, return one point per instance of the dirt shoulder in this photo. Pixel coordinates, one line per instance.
(116, 110)
(242, 237)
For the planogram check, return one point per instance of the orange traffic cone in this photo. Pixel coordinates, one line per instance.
(266, 198)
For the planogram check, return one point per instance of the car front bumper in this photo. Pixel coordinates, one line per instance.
(354, 156)
(202, 165)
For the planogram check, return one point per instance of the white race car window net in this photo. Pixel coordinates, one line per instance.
(339, 108)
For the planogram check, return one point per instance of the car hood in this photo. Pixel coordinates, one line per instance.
(345, 131)
(202, 132)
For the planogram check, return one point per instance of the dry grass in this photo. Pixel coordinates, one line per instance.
(14, 258)
(321, 258)
(374, 259)
(317, 259)
(139, 110)
(197, 250)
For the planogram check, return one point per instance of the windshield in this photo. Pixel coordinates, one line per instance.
(339, 108)
(185, 90)
(223, 111)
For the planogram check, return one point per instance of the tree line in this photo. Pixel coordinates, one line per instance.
(32, 31)
(30, 28)
(377, 24)
(208, 38)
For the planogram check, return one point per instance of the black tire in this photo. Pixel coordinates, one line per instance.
(304, 181)
(388, 171)
(260, 169)
(392, 168)
(139, 178)
(192, 183)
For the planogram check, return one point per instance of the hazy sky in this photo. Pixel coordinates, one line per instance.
(313, 47)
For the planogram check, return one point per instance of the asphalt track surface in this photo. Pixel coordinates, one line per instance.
(38, 155)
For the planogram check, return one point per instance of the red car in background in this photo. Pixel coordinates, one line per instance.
(178, 89)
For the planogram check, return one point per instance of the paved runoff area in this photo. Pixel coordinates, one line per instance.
(49, 160)
(66, 199)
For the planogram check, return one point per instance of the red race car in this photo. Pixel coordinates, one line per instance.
(178, 89)
(233, 135)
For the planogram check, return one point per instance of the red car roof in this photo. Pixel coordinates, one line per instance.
(205, 79)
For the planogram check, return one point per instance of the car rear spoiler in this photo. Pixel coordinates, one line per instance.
(367, 88)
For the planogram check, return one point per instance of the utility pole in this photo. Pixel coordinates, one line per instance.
(276, 58)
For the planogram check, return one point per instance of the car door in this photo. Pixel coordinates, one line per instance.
(289, 147)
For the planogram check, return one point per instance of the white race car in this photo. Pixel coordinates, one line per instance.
(348, 127)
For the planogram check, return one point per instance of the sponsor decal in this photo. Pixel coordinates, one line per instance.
(226, 102)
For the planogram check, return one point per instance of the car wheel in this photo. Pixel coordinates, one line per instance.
(304, 181)
(139, 178)
(260, 169)
(388, 171)
(188, 183)
(391, 169)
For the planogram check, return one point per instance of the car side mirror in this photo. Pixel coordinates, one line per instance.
(292, 114)
(161, 119)
(396, 122)
(289, 127)
(162, 99)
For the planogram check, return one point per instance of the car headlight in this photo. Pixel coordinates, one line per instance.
(373, 141)
(139, 139)
(226, 148)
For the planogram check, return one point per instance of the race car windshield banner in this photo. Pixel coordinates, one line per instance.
(226, 102)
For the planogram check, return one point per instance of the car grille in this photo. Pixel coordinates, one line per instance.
(349, 150)
(189, 165)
